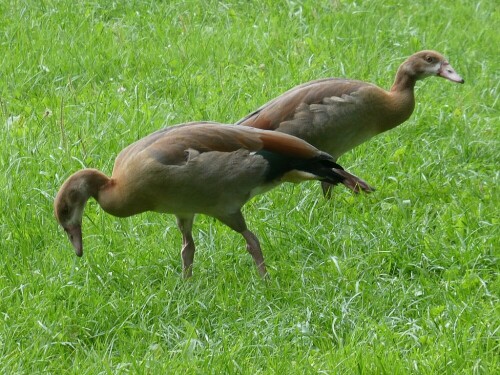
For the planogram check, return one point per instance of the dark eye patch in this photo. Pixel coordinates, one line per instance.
(64, 211)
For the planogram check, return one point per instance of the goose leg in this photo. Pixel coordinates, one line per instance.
(253, 247)
(185, 225)
(237, 223)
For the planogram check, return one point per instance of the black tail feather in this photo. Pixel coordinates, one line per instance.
(323, 166)
(331, 173)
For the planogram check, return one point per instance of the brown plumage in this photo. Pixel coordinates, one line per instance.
(335, 114)
(205, 168)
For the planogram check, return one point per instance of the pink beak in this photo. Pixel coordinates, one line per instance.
(75, 236)
(446, 71)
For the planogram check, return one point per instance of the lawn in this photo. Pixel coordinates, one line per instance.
(404, 280)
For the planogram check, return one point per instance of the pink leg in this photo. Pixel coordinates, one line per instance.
(187, 253)
(237, 223)
(253, 247)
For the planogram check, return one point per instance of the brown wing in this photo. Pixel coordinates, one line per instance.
(334, 115)
(285, 107)
(173, 145)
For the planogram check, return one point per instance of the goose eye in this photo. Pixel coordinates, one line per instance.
(429, 59)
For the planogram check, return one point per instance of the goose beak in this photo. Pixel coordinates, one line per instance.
(446, 71)
(75, 236)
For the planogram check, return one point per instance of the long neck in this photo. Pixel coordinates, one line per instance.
(114, 197)
(94, 183)
(122, 197)
(401, 99)
(405, 80)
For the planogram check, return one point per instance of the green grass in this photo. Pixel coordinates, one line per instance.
(402, 281)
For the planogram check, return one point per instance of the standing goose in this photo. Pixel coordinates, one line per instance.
(335, 114)
(206, 168)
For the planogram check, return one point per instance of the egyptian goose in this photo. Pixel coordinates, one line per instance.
(335, 114)
(205, 168)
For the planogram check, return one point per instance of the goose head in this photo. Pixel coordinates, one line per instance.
(430, 63)
(70, 202)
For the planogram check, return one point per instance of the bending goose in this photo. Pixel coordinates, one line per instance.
(206, 168)
(335, 114)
